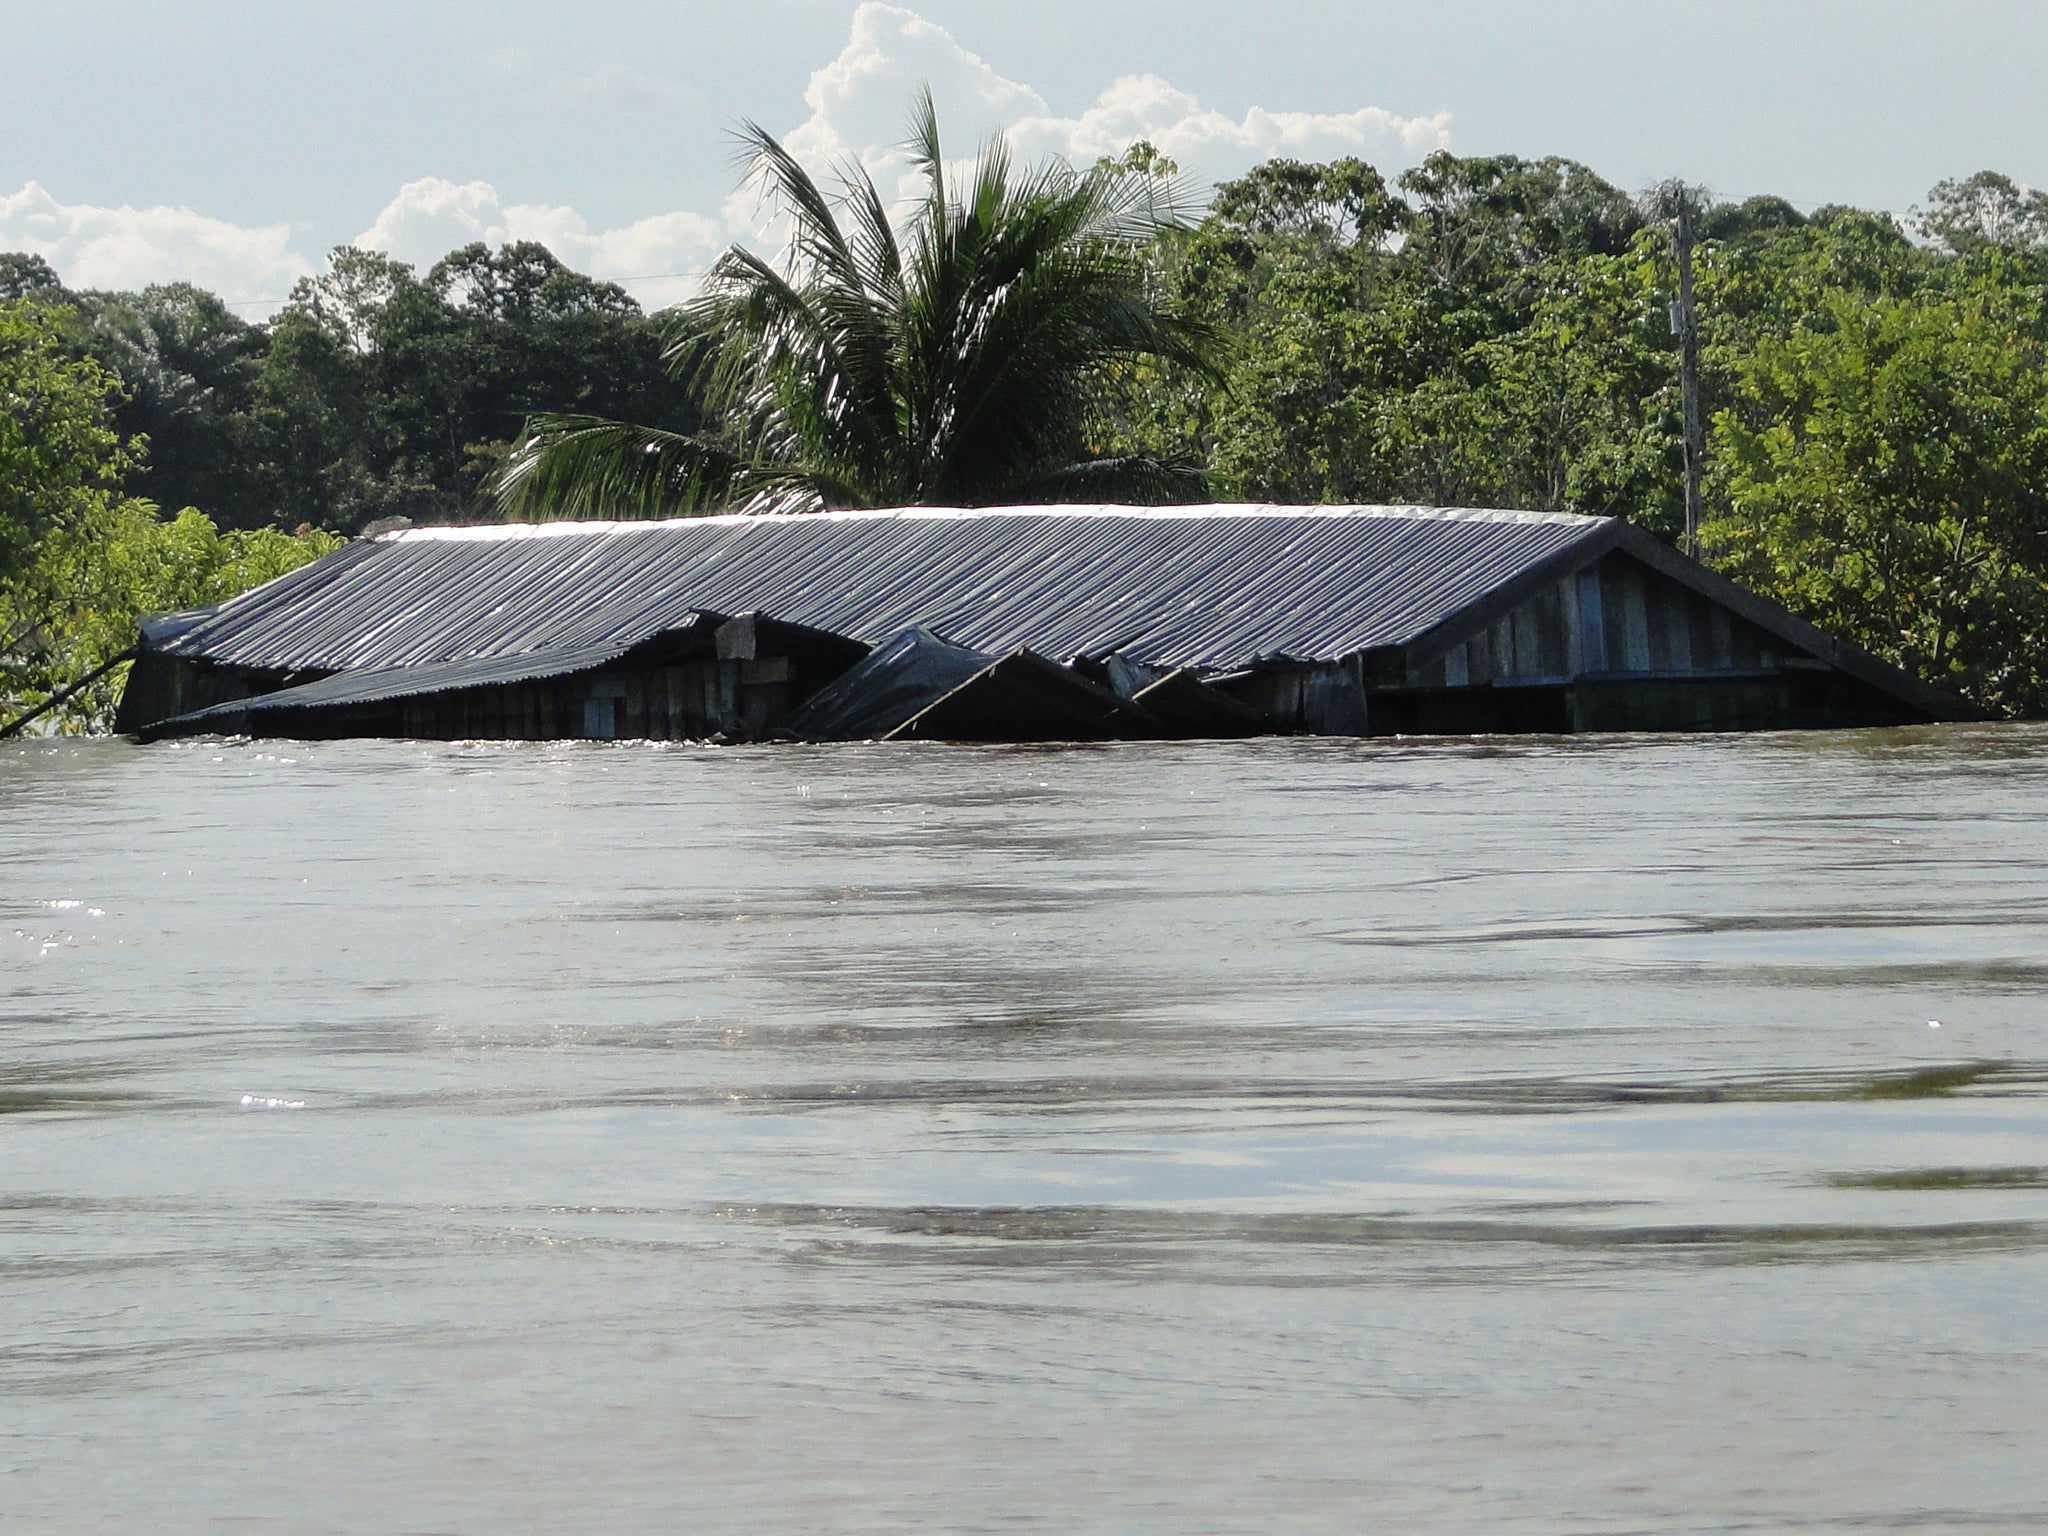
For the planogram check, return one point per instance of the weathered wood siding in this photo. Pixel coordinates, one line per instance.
(686, 701)
(1619, 616)
(688, 687)
(1325, 700)
(160, 686)
(1619, 647)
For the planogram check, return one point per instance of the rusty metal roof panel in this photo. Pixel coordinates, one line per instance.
(1206, 587)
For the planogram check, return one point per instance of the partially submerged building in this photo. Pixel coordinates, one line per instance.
(1028, 623)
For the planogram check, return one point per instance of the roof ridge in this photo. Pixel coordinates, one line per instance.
(1218, 511)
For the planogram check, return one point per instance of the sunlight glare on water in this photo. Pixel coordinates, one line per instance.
(1590, 1136)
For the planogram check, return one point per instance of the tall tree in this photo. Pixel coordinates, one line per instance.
(1987, 209)
(187, 365)
(59, 453)
(79, 559)
(1483, 331)
(24, 273)
(946, 364)
(1882, 468)
(385, 393)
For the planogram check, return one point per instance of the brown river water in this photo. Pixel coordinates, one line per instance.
(1591, 1136)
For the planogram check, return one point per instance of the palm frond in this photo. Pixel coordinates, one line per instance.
(815, 237)
(948, 359)
(1132, 479)
(586, 466)
(926, 152)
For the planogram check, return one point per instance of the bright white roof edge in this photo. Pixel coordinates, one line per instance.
(490, 532)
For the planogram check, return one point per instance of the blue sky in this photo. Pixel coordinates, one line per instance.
(234, 143)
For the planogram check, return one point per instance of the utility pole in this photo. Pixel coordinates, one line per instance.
(1685, 326)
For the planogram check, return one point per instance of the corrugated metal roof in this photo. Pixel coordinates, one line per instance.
(374, 685)
(1207, 587)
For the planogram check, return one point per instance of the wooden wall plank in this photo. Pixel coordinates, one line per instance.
(1592, 626)
(1527, 650)
(1657, 625)
(1552, 647)
(1635, 625)
(1699, 629)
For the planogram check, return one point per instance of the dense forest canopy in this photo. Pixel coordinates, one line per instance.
(1480, 330)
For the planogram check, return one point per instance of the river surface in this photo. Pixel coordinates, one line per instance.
(1598, 1136)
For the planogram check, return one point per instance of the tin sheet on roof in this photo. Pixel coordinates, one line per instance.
(1206, 587)
(373, 685)
(904, 674)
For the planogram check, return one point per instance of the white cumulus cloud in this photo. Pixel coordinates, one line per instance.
(1213, 145)
(860, 101)
(656, 258)
(96, 247)
(858, 105)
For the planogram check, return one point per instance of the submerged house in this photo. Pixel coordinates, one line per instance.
(1010, 624)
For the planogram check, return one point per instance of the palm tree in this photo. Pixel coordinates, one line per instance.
(947, 365)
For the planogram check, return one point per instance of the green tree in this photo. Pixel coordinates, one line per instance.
(522, 283)
(950, 364)
(319, 434)
(1573, 404)
(23, 273)
(1987, 209)
(60, 456)
(1484, 331)
(187, 366)
(76, 604)
(1288, 268)
(1751, 218)
(385, 393)
(79, 559)
(1883, 469)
